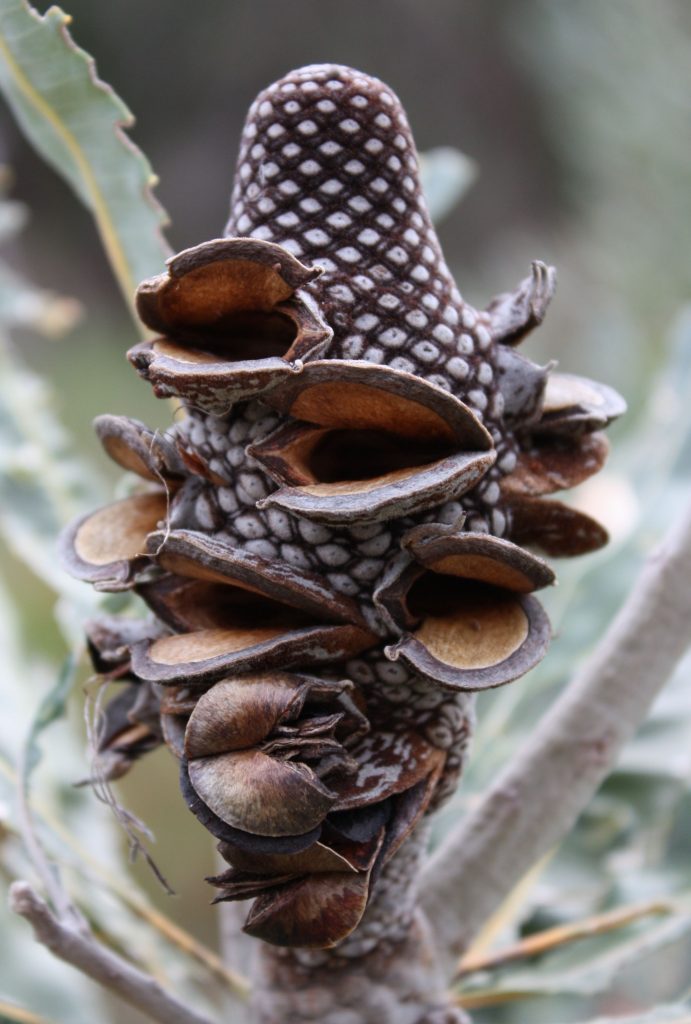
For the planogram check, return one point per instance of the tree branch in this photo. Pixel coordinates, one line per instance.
(75, 944)
(238, 949)
(539, 796)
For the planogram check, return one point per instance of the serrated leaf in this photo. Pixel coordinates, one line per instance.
(77, 122)
(446, 176)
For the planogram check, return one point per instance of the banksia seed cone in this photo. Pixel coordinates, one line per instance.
(331, 541)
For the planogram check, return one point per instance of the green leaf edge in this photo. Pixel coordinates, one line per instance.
(52, 707)
(91, 194)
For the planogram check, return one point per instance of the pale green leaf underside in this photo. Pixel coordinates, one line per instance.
(446, 176)
(76, 123)
(672, 1014)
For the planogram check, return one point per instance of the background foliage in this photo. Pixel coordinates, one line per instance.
(576, 119)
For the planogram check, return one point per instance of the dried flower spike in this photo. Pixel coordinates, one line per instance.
(362, 459)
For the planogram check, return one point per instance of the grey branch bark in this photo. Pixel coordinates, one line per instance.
(539, 796)
(239, 950)
(76, 945)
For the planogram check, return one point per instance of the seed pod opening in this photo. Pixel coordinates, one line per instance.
(209, 654)
(138, 449)
(196, 557)
(236, 612)
(470, 622)
(129, 728)
(577, 405)
(472, 636)
(477, 556)
(109, 638)
(369, 444)
(231, 321)
(109, 547)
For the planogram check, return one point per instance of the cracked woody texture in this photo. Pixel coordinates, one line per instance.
(335, 540)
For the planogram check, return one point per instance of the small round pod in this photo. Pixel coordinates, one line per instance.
(577, 405)
(242, 712)
(257, 793)
(257, 751)
(140, 450)
(367, 443)
(315, 912)
(548, 464)
(468, 619)
(251, 842)
(233, 321)
(553, 527)
(109, 547)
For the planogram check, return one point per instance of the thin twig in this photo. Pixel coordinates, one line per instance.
(539, 796)
(170, 930)
(553, 938)
(19, 1015)
(491, 997)
(76, 945)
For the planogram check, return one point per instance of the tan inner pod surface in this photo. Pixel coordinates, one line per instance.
(563, 392)
(187, 648)
(118, 532)
(357, 406)
(258, 793)
(465, 624)
(185, 565)
(222, 287)
(125, 456)
(482, 567)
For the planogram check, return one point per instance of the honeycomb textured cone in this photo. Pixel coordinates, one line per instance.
(333, 540)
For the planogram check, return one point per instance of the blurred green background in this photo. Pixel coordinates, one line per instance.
(576, 114)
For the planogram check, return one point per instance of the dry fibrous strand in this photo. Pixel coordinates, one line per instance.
(145, 452)
(129, 727)
(360, 468)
